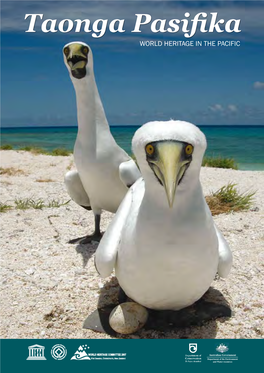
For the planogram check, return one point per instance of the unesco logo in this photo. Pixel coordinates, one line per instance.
(58, 352)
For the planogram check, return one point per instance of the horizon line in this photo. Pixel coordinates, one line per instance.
(132, 125)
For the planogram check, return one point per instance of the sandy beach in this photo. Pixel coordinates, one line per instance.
(49, 287)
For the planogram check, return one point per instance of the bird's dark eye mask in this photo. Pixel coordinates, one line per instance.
(154, 156)
(151, 148)
(78, 60)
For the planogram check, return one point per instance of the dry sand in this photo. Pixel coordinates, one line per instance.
(49, 287)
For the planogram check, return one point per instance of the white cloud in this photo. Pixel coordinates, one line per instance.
(258, 85)
(232, 108)
(223, 110)
(216, 107)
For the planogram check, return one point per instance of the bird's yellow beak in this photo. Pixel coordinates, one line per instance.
(169, 166)
(77, 57)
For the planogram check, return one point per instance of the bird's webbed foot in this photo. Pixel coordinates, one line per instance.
(96, 236)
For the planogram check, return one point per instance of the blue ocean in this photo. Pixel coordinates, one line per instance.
(243, 143)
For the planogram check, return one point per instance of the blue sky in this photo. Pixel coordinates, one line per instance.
(205, 85)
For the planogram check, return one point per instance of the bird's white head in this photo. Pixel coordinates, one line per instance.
(169, 155)
(78, 59)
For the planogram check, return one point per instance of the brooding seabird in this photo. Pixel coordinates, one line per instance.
(162, 242)
(104, 170)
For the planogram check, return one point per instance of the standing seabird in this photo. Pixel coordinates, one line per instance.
(162, 242)
(104, 170)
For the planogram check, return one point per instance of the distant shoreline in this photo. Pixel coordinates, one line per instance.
(242, 143)
(137, 126)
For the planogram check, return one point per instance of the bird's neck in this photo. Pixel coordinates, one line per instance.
(92, 122)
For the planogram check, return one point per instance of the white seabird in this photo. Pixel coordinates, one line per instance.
(162, 242)
(104, 170)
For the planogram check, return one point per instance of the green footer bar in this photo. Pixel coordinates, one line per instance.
(26, 355)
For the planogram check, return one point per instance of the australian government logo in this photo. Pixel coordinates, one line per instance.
(193, 358)
(36, 352)
(222, 348)
(83, 353)
(222, 356)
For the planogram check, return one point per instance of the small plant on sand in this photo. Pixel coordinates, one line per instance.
(4, 207)
(25, 148)
(54, 152)
(6, 147)
(33, 149)
(60, 151)
(219, 162)
(27, 203)
(227, 199)
(22, 204)
(39, 204)
(55, 203)
(11, 171)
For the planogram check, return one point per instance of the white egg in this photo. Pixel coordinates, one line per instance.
(128, 317)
